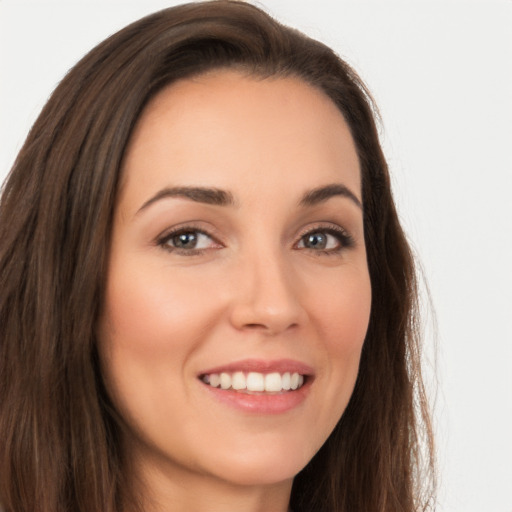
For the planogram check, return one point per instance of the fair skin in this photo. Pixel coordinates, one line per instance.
(267, 277)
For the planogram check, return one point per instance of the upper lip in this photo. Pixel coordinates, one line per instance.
(262, 366)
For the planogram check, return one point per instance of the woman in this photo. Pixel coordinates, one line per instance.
(207, 300)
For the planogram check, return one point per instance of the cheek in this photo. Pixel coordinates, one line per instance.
(153, 323)
(152, 313)
(341, 316)
(343, 311)
(149, 331)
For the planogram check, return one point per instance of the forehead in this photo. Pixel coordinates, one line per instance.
(222, 127)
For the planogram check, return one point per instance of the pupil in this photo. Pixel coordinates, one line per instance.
(317, 241)
(185, 240)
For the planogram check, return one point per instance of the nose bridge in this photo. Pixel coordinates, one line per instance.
(267, 294)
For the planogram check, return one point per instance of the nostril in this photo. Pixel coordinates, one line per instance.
(271, 327)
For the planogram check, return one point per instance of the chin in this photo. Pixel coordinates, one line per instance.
(266, 467)
(250, 474)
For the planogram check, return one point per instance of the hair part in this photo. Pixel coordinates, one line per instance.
(60, 442)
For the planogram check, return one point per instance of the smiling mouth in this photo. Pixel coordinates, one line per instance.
(255, 382)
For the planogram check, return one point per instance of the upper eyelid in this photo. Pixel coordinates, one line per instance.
(328, 227)
(323, 226)
(188, 227)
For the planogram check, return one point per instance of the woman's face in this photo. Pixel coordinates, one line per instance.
(237, 261)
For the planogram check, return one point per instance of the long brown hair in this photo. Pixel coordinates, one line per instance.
(60, 446)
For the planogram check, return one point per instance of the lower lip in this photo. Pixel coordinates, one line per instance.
(261, 403)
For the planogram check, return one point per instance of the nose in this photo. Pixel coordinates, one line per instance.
(266, 296)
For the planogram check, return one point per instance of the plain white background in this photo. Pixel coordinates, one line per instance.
(441, 73)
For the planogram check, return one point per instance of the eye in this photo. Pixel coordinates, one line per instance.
(325, 240)
(187, 241)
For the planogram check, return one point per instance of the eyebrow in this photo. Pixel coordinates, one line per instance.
(322, 194)
(219, 197)
(206, 195)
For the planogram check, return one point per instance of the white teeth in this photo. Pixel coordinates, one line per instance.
(294, 381)
(225, 380)
(255, 382)
(214, 380)
(273, 382)
(285, 381)
(238, 381)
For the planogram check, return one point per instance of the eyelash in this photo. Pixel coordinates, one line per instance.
(163, 241)
(344, 239)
